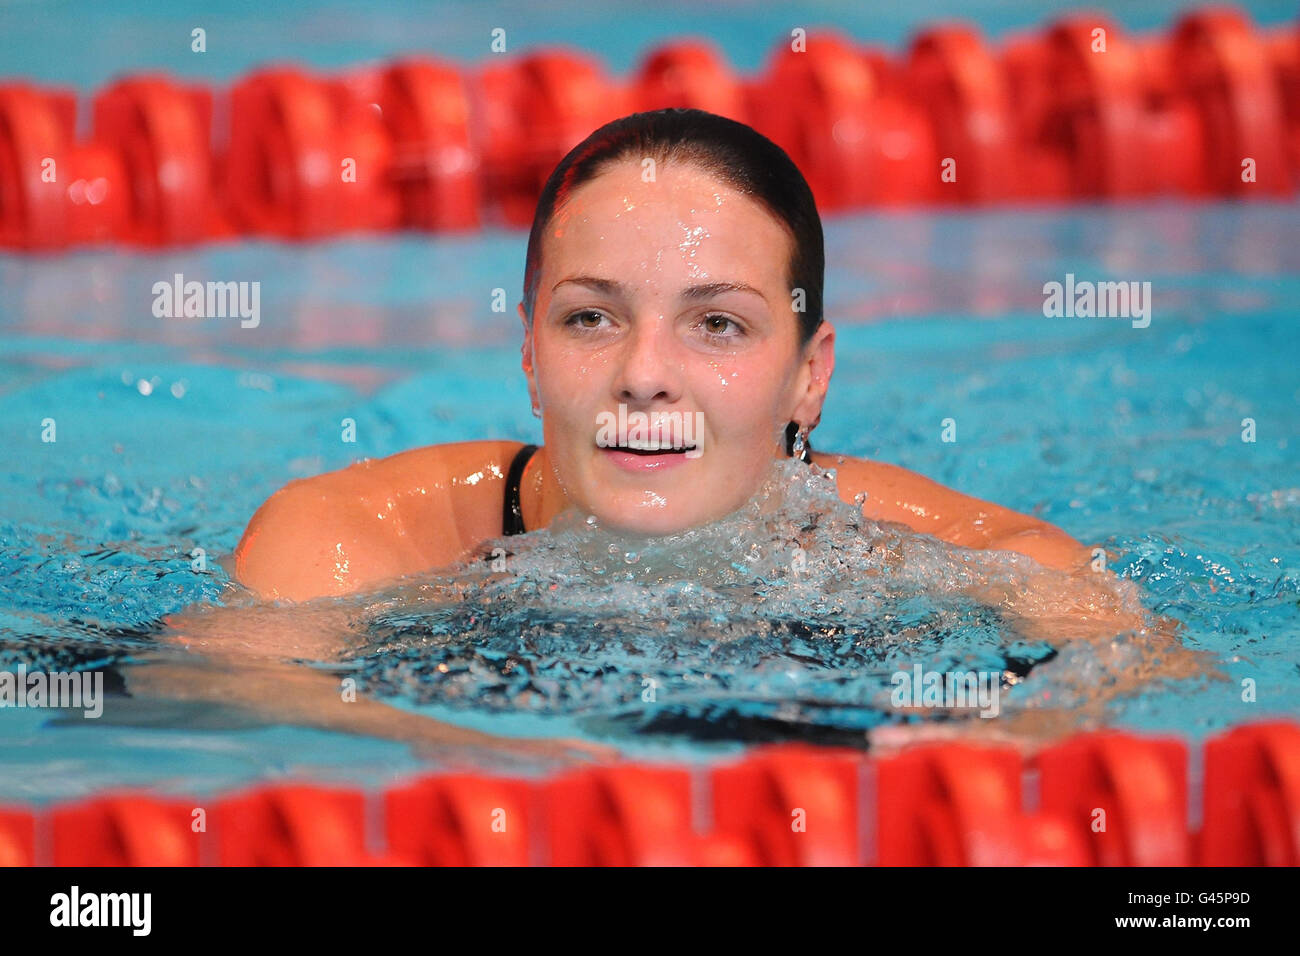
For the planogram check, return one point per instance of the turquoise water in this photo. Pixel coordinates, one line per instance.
(171, 432)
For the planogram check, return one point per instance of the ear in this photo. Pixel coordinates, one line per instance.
(526, 356)
(818, 363)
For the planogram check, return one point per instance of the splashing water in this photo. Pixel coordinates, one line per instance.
(790, 618)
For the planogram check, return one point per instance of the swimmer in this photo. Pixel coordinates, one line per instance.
(673, 284)
(675, 265)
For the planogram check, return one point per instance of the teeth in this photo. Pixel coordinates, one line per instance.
(654, 444)
(648, 444)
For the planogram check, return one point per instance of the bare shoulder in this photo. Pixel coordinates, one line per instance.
(452, 473)
(894, 493)
(375, 519)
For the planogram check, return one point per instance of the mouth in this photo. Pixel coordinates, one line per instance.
(651, 446)
(645, 456)
(641, 442)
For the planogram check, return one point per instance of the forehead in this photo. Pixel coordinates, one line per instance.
(686, 223)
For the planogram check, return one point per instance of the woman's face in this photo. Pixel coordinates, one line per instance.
(671, 299)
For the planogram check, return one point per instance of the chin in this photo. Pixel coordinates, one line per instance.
(634, 519)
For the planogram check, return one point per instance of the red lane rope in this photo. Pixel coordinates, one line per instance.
(1077, 110)
(1103, 799)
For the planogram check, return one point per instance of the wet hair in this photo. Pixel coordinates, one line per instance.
(737, 154)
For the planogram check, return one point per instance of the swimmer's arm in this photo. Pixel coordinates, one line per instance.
(245, 658)
(902, 496)
(376, 520)
(1070, 599)
(312, 539)
(1045, 543)
(281, 693)
(1081, 602)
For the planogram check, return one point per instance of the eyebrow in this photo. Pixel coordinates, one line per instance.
(692, 293)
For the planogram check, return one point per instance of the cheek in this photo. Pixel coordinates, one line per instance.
(741, 397)
(565, 376)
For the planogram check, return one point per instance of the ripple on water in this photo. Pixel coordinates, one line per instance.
(789, 618)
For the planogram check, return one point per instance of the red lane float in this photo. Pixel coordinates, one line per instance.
(1226, 71)
(462, 820)
(689, 74)
(54, 191)
(292, 826)
(1125, 796)
(36, 133)
(951, 805)
(161, 131)
(125, 831)
(1107, 799)
(948, 806)
(855, 144)
(1252, 797)
(307, 158)
(1284, 52)
(17, 838)
(797, 806)
(1173, 136)
(1044, 168)
(969, 106)
(1096, 115)
(621, 816)
(1078, 110)
(531, 112)
(425, 109)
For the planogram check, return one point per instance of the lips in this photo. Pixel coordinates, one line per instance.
(644, 462)
(640, 441)
(645, 455)
(652, 447)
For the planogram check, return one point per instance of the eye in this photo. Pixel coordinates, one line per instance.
(715, 325)
(579, 319)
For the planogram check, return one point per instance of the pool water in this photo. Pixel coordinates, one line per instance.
(170, 433)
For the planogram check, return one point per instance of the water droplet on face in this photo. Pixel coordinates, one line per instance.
(592, 522)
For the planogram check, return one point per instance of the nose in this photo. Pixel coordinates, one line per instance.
(650, 372)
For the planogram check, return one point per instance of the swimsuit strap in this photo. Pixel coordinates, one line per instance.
(512, 517)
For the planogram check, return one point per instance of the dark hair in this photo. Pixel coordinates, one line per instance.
(739, 155)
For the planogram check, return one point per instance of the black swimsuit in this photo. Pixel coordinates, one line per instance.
(512, 516)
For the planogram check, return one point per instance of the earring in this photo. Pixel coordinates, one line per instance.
(796, 442)
(537, 412)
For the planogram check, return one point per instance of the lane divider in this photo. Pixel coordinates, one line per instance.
(1078, 110)
(1104, 799)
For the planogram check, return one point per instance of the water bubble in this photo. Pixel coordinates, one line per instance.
(588, 613)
